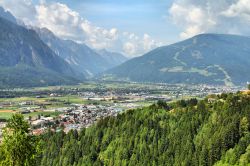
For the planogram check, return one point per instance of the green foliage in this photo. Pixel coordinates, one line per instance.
(26, 76)
(184, 103)
(19, 148)
(192, 133)
(248, 86)
(188, 132)
(163, 105)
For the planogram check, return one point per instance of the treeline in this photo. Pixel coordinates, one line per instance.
(213, 131)
(207, 132)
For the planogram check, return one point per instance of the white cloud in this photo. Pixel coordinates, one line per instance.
(149, 43)
(130, 48)
(193, 18)
(68, 24)
(224, 16)
(22, 9)
(135, 45)
(60, 19)
(239, 9)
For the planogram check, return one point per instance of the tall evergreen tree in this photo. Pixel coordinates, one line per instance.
(18, 148)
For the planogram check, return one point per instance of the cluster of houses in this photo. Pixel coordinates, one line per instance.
(166, 92)
(77, 116)
(80, 116)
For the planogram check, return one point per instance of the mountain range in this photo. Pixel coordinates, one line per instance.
(25, 60)
(80, 57)
(37, 57)
(7, 15)
(203, 59)
(113, 58)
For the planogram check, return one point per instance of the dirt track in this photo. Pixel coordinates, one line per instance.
(2, 111)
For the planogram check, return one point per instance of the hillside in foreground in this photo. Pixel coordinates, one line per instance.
(213, 131)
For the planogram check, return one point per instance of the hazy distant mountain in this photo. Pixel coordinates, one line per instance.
(26, 61)
(113, 58)
(7, 15)
(79, 56)
(206, 58)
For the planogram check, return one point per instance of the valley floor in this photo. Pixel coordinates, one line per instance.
(75, 107)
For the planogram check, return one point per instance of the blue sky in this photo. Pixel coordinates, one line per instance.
(132, 27)
(137, 16)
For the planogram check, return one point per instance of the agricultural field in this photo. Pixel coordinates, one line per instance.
(38, 105)
(123, 95)
(6, 114)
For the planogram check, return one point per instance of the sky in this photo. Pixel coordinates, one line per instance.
(132, 27)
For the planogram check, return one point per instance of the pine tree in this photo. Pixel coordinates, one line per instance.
(19, 147)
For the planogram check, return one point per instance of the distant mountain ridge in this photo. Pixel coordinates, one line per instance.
(7, 15)
(39, 58)
(203, 59)
(82, 58)
(45, 59)
(26, 61)
(113, 58)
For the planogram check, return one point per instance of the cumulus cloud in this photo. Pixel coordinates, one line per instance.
(239, 9)
(60, 19)
(136, 44)
(192, 17)
(69, 24)
(130, 48)
(148, 43)
(195, 17)
(22, 9)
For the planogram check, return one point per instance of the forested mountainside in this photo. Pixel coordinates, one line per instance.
(26, 61)
(36, 57)
(204, 59)
(213, 131)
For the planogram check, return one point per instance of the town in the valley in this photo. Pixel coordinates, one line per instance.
(66, 108)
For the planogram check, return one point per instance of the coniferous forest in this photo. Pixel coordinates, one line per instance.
(124, 83)
(212, 131)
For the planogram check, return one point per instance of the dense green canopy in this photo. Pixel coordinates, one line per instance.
(212, 131)
(19, 147)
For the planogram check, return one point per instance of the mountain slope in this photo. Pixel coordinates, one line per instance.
(25, 58)
(185, 133)
(7, 15)
(206, 58)
(79, 56)
(113, 58)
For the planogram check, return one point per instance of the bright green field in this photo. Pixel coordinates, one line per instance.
(74, 99)
(7, 115)
(59, 102)
(51, 114)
